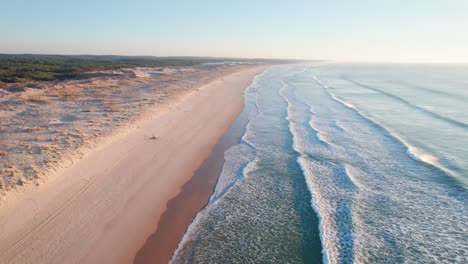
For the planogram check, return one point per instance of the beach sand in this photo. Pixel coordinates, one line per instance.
(194, 195)
(44, 126)
(104, 207)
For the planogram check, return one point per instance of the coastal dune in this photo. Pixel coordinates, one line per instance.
(104, 207)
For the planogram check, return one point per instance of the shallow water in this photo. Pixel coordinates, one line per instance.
(343, 163)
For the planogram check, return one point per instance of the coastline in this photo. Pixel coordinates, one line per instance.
(92, 204)
(182, 209)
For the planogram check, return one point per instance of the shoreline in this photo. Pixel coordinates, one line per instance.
(95, 202)
(195, 194)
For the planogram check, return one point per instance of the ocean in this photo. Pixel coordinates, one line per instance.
(343, 163)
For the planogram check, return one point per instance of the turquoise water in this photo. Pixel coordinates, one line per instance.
(343, 163)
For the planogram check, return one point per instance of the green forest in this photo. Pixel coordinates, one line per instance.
(29, 67)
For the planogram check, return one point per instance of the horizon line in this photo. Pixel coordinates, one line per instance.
(242, 58)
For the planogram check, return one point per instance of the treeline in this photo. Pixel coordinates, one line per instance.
(30, 67)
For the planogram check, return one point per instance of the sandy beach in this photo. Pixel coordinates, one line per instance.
(45, 126)
(105, 206)
(182, 209)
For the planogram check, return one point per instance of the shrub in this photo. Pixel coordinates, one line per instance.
(38, 99)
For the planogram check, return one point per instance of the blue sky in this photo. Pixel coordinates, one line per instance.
(350, 30)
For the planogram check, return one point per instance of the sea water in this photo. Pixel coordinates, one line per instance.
(343, 163)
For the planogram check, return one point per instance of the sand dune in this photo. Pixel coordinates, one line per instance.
(103, 207)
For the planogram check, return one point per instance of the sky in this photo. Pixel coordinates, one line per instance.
(341, 30)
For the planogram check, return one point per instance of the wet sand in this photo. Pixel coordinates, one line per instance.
(195, 194)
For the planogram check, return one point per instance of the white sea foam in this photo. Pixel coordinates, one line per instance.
(314, 201)
(420, 155)
(430, 159)
(344, 102)
(317, 80)
(336, 98)
(321, 135)
(237, 157)
(324, 138)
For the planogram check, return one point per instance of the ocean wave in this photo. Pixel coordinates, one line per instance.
(313, 203)
(343, 178)
(296, 147)
(314, 135)
(252, 101)
(415, 153)
(420, 155)
(338, 126)
(335, 228)
(251, 93)
(320, 82)
(411, 105)
(322, 137)
(457, 97)
(281, 90)
(344, 102)
(238, 159)
(332, 192)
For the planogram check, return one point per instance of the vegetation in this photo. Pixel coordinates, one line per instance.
(26, 68)
(29, 67)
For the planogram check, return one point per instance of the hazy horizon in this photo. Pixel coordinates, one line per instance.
(241, 58)
(362, 31)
